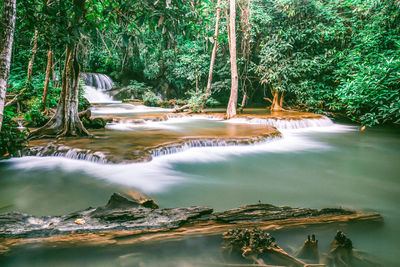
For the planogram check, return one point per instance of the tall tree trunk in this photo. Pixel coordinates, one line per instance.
(65, 121)
(30, 64)
(47, 79)
(231, 109)
(214, 52)
(245, 45)
(6, 40)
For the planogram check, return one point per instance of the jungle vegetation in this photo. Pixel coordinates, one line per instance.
(331, 57)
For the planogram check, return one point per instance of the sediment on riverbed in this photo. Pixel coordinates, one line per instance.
(119, 146)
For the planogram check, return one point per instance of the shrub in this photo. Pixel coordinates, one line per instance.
(150, 99)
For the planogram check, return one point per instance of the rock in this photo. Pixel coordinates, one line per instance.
(85, 114)
(80, 221)
(119, 213)
(143, 216)
(264, 212)
(98, 123)
(149, 203)
(84, 104)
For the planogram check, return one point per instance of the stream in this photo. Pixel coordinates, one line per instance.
(332, 165)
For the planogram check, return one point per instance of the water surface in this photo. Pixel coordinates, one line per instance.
(315, 167)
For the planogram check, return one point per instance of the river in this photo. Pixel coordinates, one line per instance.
(335, 165)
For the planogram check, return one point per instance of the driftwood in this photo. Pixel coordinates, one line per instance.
(309, 250)
(127, 221)
(342, 254)
(259, 247)
(181, 109)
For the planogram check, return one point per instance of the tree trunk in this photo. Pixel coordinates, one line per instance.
(276, 103)
(47, 80)
(65, 121)
(6, 40)
(245, 26)
(214, 52)
(30, 64)
(231, 109)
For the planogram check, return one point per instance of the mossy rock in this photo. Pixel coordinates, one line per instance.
(98, 123)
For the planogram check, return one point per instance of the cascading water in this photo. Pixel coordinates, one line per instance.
(286, 123)
(96, 87)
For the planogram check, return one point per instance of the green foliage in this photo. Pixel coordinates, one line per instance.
(327, 56)
(195, 101)
(34, 116)
(137, 89)
(11, 138)
(372, 93)
(150, 99)
(337, 55)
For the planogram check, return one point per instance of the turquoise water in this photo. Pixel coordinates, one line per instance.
(330, 166)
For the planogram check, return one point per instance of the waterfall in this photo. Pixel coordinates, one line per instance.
(55, 150)
(286, 123)
(172, 148)
(96, 87)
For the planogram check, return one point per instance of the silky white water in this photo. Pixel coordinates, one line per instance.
(315, 164)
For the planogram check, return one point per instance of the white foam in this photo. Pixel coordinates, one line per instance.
(94, 95)
(284, 123)
(129, 126)
(173, 124)
(158, 175)
(148, 177)
(292, 143)
(124, 108)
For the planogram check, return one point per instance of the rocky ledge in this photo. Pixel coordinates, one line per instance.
(139, 220)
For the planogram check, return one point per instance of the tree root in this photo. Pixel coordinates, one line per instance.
(258, 247)
(53, 128)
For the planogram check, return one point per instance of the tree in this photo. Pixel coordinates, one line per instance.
(213, 54)
(47, 79)
(65, 121)
(32, 60)
(6, 42)
(231, 109)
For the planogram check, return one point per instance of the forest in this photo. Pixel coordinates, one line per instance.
(199, 133)
(339, 58)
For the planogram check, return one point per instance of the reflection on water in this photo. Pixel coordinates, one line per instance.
(308, 168)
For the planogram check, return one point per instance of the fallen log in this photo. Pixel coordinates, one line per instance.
(126, 221)
(181, 109)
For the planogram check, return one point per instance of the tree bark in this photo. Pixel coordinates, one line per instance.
(30, 64)
(231, 109)
(7, 23)
(276, 104)
(65, 121)
(47, 79)
(214, 52)
(245, 45)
